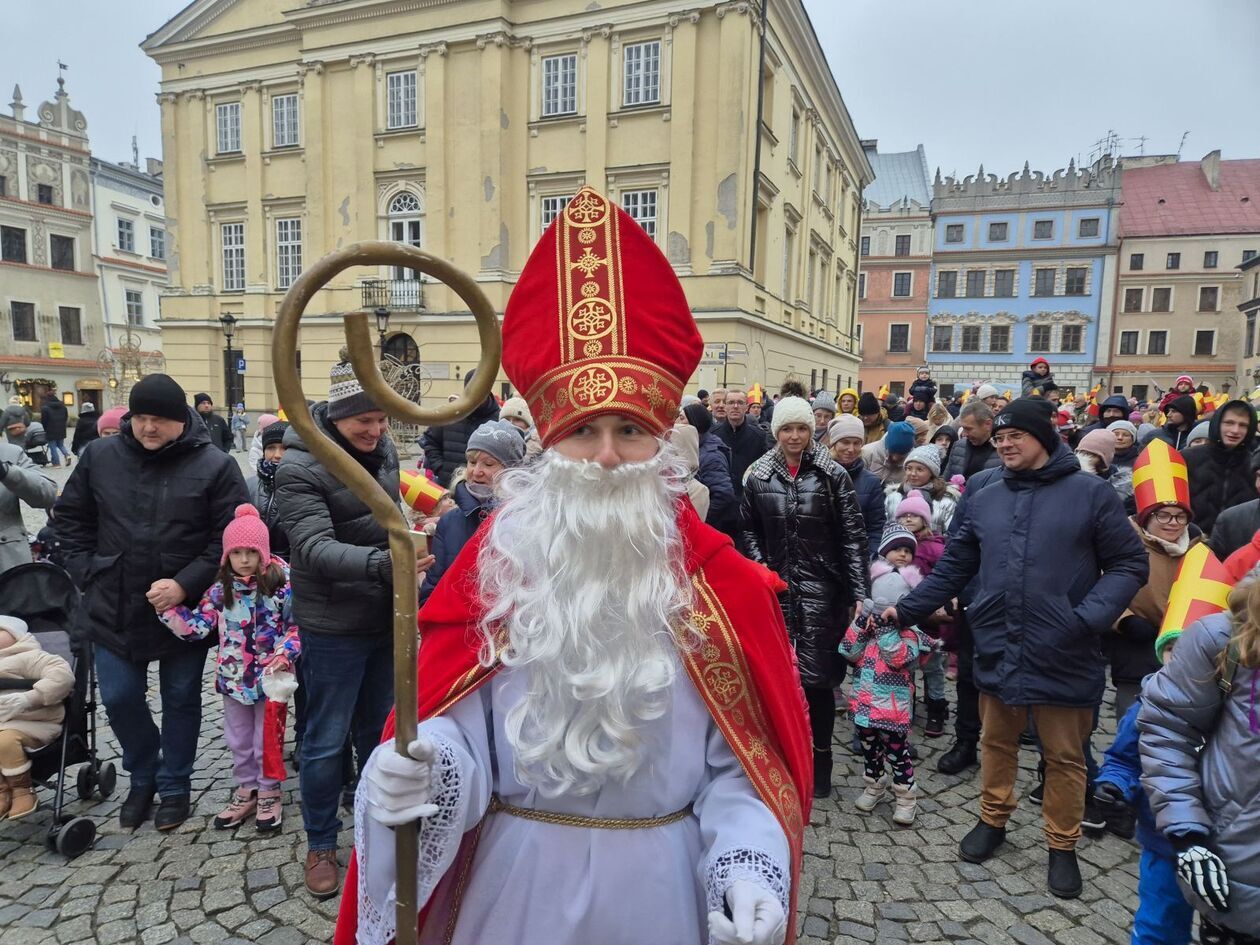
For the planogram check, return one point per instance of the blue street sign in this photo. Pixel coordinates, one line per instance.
(240, 365)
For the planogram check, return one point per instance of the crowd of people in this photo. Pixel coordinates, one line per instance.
(609, 578)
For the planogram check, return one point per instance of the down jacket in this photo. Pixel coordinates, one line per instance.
(25, 659)
(338, 554)
(870, 494)
(1221, 478)
(809, 530)
(1213, 791)
(1036, 615)
(20, 481)
(130, 516)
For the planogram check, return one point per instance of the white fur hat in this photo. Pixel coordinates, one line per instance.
(986, 390)
(791, 410)
(15, 625)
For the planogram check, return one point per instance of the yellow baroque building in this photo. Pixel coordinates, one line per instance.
(294, 127)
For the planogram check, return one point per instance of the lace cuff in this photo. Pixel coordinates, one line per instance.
(439, 841)
(754, 866)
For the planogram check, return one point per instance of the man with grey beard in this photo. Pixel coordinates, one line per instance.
(605, 683)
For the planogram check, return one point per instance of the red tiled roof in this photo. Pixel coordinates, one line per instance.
(1175, 200)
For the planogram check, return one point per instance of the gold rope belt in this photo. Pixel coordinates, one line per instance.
(576, 820)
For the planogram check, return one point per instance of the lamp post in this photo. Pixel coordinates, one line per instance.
(228, 323)
(382, 326)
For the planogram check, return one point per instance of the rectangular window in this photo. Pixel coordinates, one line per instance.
(1043, 283)
(1128, 342)
(794, 139)
(1250, 341)
(954, 233)
(1210, 259)
(942, 337)
(1070, 339)
(288, 251)
(227, 123)
(866, 246)
(971, 338)
(1204, 343)
(23, 320)
(861, 285)
(284, 121)
(4, 186)
(61, 249)
(946, 285)
(71, 325)
(1173, 261)
(1043, 229)
(1087, 228)
(1248, 255)
(1000, 338)
(552, 208)
(1157, 342)
(559, 85)
(233, 237)
(126, 235)
(997, 232)
(903, 246)
(1075, 281)
(643, 73)
(1208, 298)
(135, 307)
(1133, 300)
(1039, 338)
(12, 244)
(641, 205)
(1136, 261)
(157, 242)
(400, 99)
(901, 285)
(44, 193)
(1004, 283)
(1161, 300)
(975, 283)
(898, 339)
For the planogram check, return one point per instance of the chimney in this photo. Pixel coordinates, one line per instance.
(153, 167)
(1211, 165)
(869, 144)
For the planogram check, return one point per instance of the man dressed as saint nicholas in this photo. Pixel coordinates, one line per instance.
(613, 745)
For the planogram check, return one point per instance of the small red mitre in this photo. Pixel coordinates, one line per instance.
(598, 324)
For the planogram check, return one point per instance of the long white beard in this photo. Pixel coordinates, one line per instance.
(581, 574)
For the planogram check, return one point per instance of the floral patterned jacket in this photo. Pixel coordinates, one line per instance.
(253, 631)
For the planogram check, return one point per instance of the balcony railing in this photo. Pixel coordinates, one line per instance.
(393, 294)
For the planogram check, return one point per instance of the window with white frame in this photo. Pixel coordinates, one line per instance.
(901, 285)
(641, 205)
(999, 337)
(971, 338)
(400, 99)
(135, 307)
(284, 121)
(233, 240)
(1128, 342)
(552, 207)
(1157, 342)
(642, 73)
(559, 85)
(126, 235)
(227, 123)
(288, 251)
(1039, 338)
(942, 337)
(1205, 342)
(157, 242)
(1133, 300)
(404, 227)
(898, 338)
(1070, 339)
(861, 285)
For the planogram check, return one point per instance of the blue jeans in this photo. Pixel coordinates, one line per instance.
(57, 451)
(351, 690)
(161, 760)
(1163, 916)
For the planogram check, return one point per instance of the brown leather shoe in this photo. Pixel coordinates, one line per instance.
(24, 800)
(323, 875)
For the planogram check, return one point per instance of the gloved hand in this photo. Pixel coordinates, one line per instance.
(398, 789)
(1109, 795)
(756, 917)
(1203, 871)
(13, 704)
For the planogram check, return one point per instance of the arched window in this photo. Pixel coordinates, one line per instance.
(404, 227)
(403, 348)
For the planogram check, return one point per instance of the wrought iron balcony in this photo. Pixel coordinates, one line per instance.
(394, 294)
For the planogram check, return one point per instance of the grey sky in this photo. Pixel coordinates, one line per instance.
(992, 81)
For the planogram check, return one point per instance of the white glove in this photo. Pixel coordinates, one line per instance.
(398, 789)
(1204, 873)
(279, 686)
(13, 704)
(756, 917)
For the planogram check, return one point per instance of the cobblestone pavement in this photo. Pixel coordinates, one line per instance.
(865, 880)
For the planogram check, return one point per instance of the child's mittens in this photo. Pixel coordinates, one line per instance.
(279, 686)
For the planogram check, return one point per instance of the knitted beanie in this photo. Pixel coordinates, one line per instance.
(202, 398)
(274, 433)
(247, 530)
(928, 455)
(157, 395)
(346, 397)
(1099, 442)
(501, 440)
(867, 405)
(1200, 431)
(899, 438)
(111, 419)
(896, 536)
(1125, 425)
(791, 410)
(986, 390)
(845, 425)
(915, 504)
(266, 419)
(824, 401)
(515, 408)
(1034, 417)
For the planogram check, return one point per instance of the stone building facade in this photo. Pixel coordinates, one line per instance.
(1250, 309)
(463, 126)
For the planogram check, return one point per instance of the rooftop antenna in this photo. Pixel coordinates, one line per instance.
(135, 153)
(1184, 136)
(1141, 140)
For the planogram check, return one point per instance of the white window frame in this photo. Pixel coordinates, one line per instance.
(400, 99)
(551, 206)
(288, 251)
(1198, 301)
(1010, 337)
(126, 235)
(1141, 291)
(861, 285)
(641, 74)
(893, 287)
(1172, 299)
(1150, 334)
(157, 243)
(286, 128)
(932, 339)
(1137, 346)
(962, 334)
(133, 305)
(227, 124)
(909, 337)
(1194, 351)
(1063, 350)
(1049, 342)
(637, 203)
(232, 248)
(559, 85)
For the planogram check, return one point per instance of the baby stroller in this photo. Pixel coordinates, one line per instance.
(43, 595)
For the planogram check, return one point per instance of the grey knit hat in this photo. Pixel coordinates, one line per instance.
(824, 401)
(928, 455)
(346, 397)
(501, 439)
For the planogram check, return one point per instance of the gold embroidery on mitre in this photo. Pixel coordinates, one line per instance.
(591, 318)
(593, 386)
(655, 396)
(586, 209)
(586, 235)
(593, 349)
(588, 263)
(629, 386)
(590, 289)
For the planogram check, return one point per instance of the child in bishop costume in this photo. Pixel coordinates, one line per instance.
(605, 683)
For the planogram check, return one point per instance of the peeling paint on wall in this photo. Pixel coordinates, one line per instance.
(677, 249)
(489, 188)
(344, 210)
(504, 121)
(708, 239)
(498, 256)
(726, 200)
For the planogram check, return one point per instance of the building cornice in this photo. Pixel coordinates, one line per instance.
(29, 267)
(950, 257)
(128, 264)
(270, 35)
(49, 207)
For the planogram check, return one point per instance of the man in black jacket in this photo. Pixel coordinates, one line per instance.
(445, 447)
(85, 427)
(55, 417)
(1220, 473)
(747, 441)
(216, 426)
(1237, 525)
(973, 451)
(141, 521)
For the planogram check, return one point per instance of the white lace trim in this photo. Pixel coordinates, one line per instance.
(754, 866)
(439, 840)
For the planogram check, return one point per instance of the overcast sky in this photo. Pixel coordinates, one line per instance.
(992, 81)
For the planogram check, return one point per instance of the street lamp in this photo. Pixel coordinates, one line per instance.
(228, 323)
(382, 326)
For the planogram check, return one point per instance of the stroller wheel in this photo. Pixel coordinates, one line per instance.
(107, 780)
(84, 782)
(75, 837)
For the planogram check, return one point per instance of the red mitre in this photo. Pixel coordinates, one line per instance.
(578, 344)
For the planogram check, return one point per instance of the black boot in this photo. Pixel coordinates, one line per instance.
(981, 842)
(172, 811)
(960, 757)
(937, 713)
(1064, 875)
(822, 773)
(1121, 821)
(137, 808)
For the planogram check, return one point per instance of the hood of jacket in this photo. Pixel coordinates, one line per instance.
(852, 393)
(1214, 426)
(195, 435)
(22, 645)
(686, 440)
(1062, 462)
(1186, 406)
(1118, 401)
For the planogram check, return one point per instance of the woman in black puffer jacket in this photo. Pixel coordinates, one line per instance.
(800, 518)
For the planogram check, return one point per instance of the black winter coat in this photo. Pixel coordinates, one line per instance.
(966, 460)
(54, 416)
(923, 390)
(446, 447)
(1234, 528)
(338, 554)
(747, 445)
(1036, 618)
(84, 432)
(262, 494)
(1221, 478)
(130, 516)
(714, 473)
(217, 427)
(870, 495)
(454, 530)
(809, 530)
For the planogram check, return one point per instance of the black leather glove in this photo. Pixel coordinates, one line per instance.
(1109, 795)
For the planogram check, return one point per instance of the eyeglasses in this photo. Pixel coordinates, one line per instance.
(1171, 518)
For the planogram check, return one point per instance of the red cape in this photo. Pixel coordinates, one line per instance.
(745, 672)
